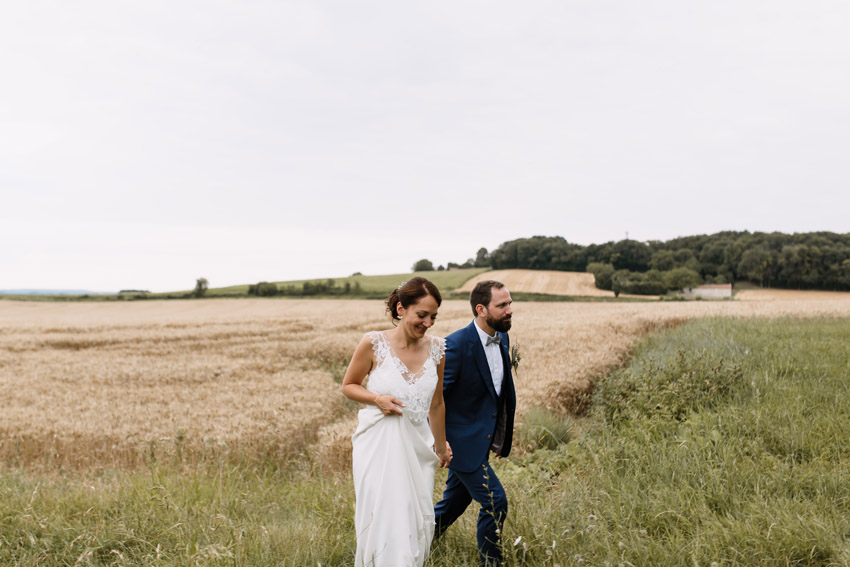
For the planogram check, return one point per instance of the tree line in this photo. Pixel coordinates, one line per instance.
(812, 260)
(481, 260)
(306, 289)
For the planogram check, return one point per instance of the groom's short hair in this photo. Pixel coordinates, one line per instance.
(482, 293)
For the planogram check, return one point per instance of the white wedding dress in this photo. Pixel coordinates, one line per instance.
(394, 463)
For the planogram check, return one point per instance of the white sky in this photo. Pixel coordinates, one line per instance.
(146, 144)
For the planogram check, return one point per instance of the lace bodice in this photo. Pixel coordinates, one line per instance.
(391, 376)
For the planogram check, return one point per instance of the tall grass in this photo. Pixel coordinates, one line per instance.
(757, 475)
(754, 474)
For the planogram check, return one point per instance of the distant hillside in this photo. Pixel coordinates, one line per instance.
(811, 260)
(445, 280)
(51, 292)
(577, 284)
(366, 287)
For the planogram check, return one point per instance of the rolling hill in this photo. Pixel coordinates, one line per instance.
(579, 284)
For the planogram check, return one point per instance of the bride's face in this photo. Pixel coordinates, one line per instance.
(417, 318)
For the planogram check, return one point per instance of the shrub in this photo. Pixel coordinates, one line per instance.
(669, 389)
(201, 287)
(649, 283)
(423, 265)
(603, 274)
(263, 289)
(680, 278)
(543, 429)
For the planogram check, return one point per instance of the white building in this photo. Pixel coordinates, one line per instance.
(709, 291)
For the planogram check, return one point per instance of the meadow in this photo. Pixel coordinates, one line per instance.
(213, 431)
(446, 280)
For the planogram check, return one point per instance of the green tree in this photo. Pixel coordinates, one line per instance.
(423, 265)
(620, 281)
(263, 289)
(482, 258)
(662, 260)
(756, 265)
(653, 283)
(680, 278)
(201, 287)
(631, 255)
(603, 273)
(539, 253)
(711, 257)
(683, 256)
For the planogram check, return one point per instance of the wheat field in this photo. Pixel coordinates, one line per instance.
(581, 284)
(94, 385)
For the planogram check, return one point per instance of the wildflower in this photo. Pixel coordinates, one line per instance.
(515, 357)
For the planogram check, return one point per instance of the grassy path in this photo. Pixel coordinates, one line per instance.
(724, 442)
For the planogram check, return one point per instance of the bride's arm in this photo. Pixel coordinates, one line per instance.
(437, 419)
(352, 384)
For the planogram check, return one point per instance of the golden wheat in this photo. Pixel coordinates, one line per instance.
(543, 281)
(111, 384)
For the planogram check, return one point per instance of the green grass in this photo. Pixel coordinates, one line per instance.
(670, 470)
(543, 429)
(755, 474)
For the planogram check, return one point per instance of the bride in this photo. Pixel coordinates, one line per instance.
(401, 436)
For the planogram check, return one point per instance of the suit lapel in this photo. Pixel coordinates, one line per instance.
(481, 359)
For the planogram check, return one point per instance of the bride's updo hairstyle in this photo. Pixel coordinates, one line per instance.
(410, 292)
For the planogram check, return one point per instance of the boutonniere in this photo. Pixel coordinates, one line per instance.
(515, 357)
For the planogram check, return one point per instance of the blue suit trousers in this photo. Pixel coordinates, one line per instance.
(483, 486)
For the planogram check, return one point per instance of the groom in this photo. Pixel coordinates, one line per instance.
(480, 401)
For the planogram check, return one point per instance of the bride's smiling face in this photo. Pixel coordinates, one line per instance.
(418, 317)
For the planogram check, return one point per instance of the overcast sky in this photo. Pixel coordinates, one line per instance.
(146, 144)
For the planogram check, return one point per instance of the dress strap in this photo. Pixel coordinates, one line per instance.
(379, 346)
(438, 349)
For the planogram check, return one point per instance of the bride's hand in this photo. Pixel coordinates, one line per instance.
(388, 404)
(445, 458)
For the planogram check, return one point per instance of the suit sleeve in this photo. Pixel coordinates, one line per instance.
(452, 368)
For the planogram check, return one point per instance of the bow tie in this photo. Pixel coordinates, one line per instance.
(494, 340)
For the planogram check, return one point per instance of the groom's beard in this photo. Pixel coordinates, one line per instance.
(502, 325)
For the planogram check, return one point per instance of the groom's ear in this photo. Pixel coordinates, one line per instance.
(479, 310)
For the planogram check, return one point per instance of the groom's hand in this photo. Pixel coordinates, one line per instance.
(388, 404)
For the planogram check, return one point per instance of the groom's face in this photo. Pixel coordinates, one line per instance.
(498, 312)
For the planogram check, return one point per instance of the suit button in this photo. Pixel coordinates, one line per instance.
(493, 415)
(488, 437)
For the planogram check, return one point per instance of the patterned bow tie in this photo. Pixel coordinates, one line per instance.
(493, 340)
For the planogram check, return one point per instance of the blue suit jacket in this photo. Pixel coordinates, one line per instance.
(475, 416)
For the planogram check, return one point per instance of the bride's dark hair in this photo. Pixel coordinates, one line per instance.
(410, 292)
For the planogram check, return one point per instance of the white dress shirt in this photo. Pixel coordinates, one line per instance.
(494, 360)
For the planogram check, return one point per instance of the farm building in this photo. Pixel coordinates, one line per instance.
(709, 291)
